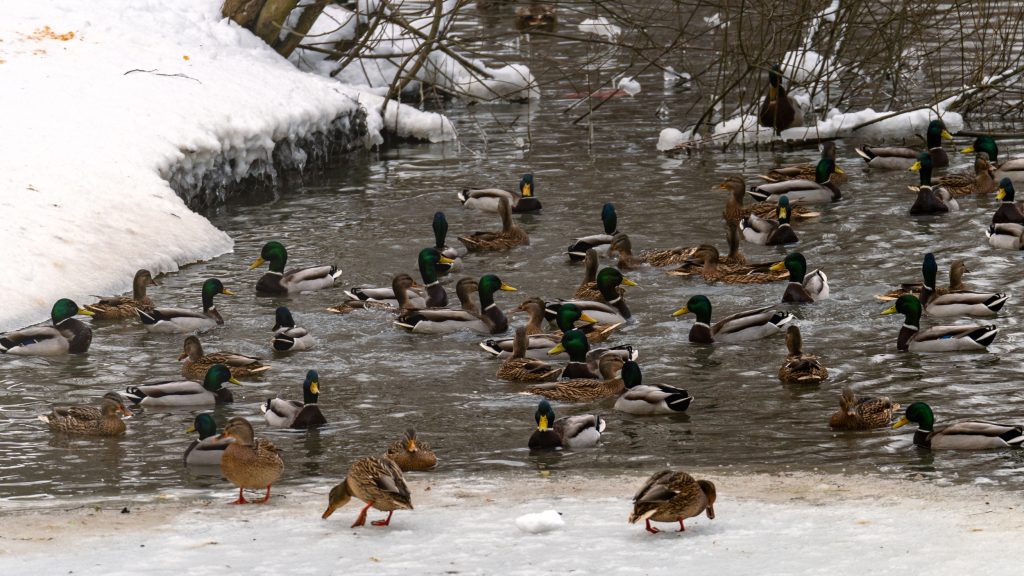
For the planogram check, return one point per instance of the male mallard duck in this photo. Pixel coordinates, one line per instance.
(901, 158)
(821, 190)
(958, 303)
(713, 269)
(249, 462)
(862, 413)
(197, 364)
(930, 199)
(1012, 168)
(536, 17)
(574, 432)
(400, 297)
(936, 338)
(410, 454)
(961, 434)
(444, 321)
(956, 282)
(180, 320)
(807, 171)
(981, 182)
(1006, 236)
(443, 267)
(779, 110)
(767, 232)
(277, 282)
(489, 199)
(539, 341)
(800, 368)
(612, 308)
(622, 246)
(89, 420)
(509, 237)
(669, 496)
(588, 288)
(740, 327)
(644, 399)
(583, 387)
(208, 449)
(287, 336)
(376, 481)
(578, 249)
(186, 393)
(1009, 212)
(123, 307)
(67, 335)
(519, 368)
(803, 288)
(294, 414)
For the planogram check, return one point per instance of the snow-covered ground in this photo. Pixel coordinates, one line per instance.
(796, 524)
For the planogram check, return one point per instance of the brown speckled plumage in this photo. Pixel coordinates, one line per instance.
(197, 363)
(862, 413)
(509, 237)
(800, 368)
(669, 496)
(249, 462)
(411, 454)
(124, 307)
(378, 482)
(90, 420)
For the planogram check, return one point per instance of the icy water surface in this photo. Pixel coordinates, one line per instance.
(371, 213)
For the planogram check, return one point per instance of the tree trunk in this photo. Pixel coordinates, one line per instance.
(309, 15)
(272, 17)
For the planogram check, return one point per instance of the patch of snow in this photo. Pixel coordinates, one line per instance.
(671, 138)
(600, 27)
(675, 79)
(540, 522)
(629, 85)
(714, 20)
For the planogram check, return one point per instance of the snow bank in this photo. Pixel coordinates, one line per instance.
(105, 102)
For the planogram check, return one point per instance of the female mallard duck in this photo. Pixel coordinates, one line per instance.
(803, 288)
(770, 233)
(585, 388)
(578, 249)
(644, 399)
(740, 327)
(376, 481)
(67, 335)
(901, 158)
(807, 171)
(821, 190)
(930, 199)
(961, 434)
(937, 338)
(489, 199)
(1009, 212)
(981, 182)
(588, 288)
(89, 420)
(181, 320)
(123, 307)
(172, 394)
(536, 17)
(1006, 236)
(669, 496)
(539, 341)
(735, 211)
(287, 336)
(955, 303)
(410, 454)
(209, 448)
(443, 266)
(197, 364)
(714, 270)
(249, 462)
(509, 237)
(622, 246)
(401, 296)
(293, 414)
(779, 110)
(444, 321)
(1012, 168)
(800, 368)
(519, 368)
(277, 282)
(612, 308)
(956, 283)
(862, 413)
(574, 432)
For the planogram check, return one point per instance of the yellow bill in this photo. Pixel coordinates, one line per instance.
(191, 430)
(446, 260)
(839, 170)
(681, 311)
(543, 424)
(901, 422)
(527, 190)
(1001, 193)
(968, 150)
(556, 350)
(629, 282)
(85, 312)
(946, 135)
(508, 288)
(783, 213)
(916, 167)
(587, 318)
(234, 380)
(890, 310)
(227, 292)
(256, 263)
(778, 266)
(314, 387)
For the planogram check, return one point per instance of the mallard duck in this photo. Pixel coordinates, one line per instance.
(714, 269)
(378, 482)
(67, 335)
(1006, 236)
(444, 321)
(208, 449)
(735, 211)
(509, 237)
(1009, 212)
(583, 387)
(779, 110)
(800, 368)
(287, 336)
(574, 432)
(124, 307)
(519, 368)
(644, 399)
(956, 282)
(862, 413)
(612, 308)
(937, 338)
(740, 327)
(807, 171)
(89, 420)
(293, 414)
(277, 282)
(489, 199)
(182, 320)
(669, 496)
(197, 364)
(767, 232)
(821, 190)
(443, 266)
(803, 288)
(930, 199)
(578, 249)
(955, 303)
(410, 454)
(901, 158)
(961, 434)
(172, 394)
(982, 181)
(403, 295)
(464, 290)
(1012, 168)
(622, 246)
(540, 341)
(536, 17)
(588, 288)
(249, 462)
